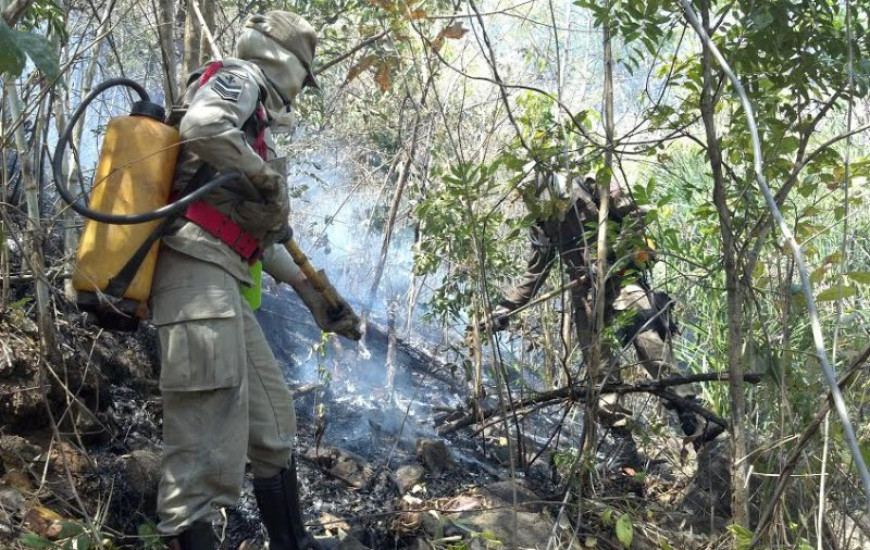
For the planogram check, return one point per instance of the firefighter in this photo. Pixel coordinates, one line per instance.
(224, 397)
(565, 232)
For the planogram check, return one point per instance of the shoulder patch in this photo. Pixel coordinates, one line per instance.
(229, 84)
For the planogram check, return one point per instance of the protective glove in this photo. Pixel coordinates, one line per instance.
(498, 320)
(269, 181)
(341, 320)
(265, 210)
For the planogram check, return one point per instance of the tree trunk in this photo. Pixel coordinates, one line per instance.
(404, 176)
(192, 40)
(207, 46)
(29, 156)
(594, 363)
(12, 11)
(166, 40)
(739, 472)
(392, 340)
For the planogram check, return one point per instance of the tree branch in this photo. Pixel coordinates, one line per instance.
(368, 41)
(15, 10)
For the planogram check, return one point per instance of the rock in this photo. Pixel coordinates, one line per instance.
(348, 542)
(463, 503)
(346, 466)
(420, 544)
(433, 524)
(511, 529)
(15, 451)
(512, 493)
(142, 471)
(434, 455)
(408, 476)
(708, 497)
(6, 531)
(11, 501)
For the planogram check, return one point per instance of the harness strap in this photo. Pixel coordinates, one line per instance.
(213, 220)
(210, 71)
(262, 122)
(221, 226)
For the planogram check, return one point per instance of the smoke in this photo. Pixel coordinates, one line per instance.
(339, 222)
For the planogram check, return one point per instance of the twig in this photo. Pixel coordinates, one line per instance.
(329, 64)
(15, 10)
(791, 462)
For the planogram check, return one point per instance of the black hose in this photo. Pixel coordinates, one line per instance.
(126, 219)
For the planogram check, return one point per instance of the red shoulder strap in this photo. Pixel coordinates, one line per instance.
(210, 71)
(262, 123)
(259, 116)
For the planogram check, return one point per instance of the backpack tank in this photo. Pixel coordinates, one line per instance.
(134, 175)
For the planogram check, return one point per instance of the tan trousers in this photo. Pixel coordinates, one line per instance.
(224, 396)
(633, 305)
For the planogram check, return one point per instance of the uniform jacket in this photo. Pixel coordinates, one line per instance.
(213, 130)
(571, 237)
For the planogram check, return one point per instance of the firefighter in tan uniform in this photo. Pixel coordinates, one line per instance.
(224, 397)
(565, 233)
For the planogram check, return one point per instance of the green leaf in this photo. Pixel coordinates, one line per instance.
(15, 44)
(69, 529)
(742, 534)
(19, 304)
(607, 516)
(789, 144)
(11, 57)
(624, 530)
(42, 52)
(860, 277)
(32, 540)
(835, 293)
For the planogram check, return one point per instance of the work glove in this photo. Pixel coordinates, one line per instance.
(498, 320)
(341, 319)
(269, 182)
(265, 210)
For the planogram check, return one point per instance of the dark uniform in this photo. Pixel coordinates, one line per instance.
(566, 234)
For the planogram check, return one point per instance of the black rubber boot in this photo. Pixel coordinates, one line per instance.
(691, 423)
(198, 536)
(278, 500)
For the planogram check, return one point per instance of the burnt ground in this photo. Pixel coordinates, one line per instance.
(82, 456)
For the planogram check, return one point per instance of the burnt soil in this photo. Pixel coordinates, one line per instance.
(81, 434)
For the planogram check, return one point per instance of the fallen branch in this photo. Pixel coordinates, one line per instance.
(577, 392)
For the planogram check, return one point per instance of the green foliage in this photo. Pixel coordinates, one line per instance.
(643, 25)
(457, 229)
(72, 536)
(16, 46)
(151, 539)
(624, 530)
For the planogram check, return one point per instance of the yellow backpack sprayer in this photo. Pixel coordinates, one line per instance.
(129, 208)
(130, 193)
